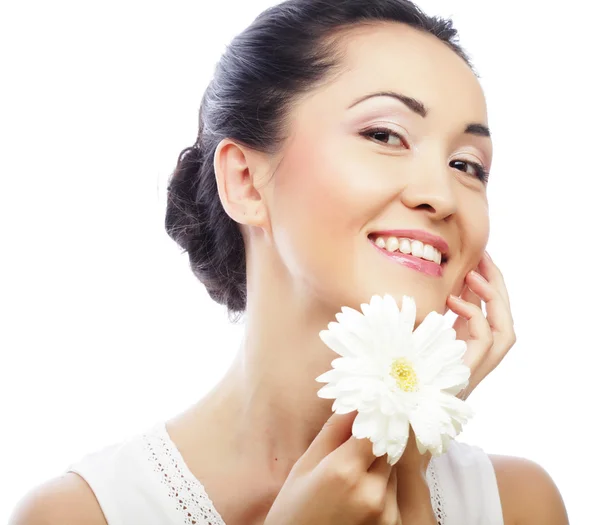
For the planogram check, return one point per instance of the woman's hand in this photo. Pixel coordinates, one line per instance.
(338, 481)
(488, 339)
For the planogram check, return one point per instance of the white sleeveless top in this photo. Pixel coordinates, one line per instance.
(144, 480)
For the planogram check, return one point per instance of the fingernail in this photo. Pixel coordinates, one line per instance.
(456, 298)
(478, 276)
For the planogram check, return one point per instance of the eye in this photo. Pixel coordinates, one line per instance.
(384, 136)
(472, 168)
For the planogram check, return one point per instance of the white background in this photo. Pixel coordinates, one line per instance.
(105, 331)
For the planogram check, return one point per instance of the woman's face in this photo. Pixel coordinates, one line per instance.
(357, 167)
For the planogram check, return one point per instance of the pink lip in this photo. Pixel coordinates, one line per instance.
(416, 235)
(410, 261)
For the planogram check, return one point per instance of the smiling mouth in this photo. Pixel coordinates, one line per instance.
(411, 247)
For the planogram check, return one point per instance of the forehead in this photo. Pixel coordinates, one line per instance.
(389, 56)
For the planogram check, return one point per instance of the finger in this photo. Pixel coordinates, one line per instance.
(499, 317)
(336, 431)
(391, 513)
(492, 273)
(480, 337)
(356, 451)
(412, 460)
(381, 468)
(460, 324)
(471, 297)
(494, 301)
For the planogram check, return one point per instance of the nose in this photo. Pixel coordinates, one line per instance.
(430, 188)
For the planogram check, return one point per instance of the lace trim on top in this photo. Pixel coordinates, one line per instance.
(435, 490)
(187, 493)
(190, 498)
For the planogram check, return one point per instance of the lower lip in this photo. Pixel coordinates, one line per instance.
(410, 261)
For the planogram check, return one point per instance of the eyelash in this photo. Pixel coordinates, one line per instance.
(482, 173)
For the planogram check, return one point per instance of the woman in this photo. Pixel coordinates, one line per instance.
(337, 141)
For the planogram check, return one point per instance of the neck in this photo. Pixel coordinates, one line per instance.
(267, 403)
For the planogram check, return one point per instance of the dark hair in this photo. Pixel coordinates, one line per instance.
(285, 52)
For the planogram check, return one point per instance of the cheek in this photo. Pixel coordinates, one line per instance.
(322, 199)
(475, 224)
(481, 229)
(323, 188)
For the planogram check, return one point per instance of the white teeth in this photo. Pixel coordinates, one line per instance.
(408, 246)
(417, 248)
(405, 246)
(428, 253)
(391, 245)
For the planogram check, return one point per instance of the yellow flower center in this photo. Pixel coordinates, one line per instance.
(404, 374)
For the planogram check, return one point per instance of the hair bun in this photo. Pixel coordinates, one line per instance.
(182, 219)
(196, 221)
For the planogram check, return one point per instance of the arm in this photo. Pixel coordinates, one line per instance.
(66, 500)
(528, 494)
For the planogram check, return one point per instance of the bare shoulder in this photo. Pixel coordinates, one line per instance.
(528, 494)
(65, 500)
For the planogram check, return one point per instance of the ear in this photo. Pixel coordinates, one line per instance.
(239, 170)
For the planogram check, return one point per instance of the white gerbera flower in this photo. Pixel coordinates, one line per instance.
(395, 377)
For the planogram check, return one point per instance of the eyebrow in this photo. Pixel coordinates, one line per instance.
(412, 103)
(478, 129)
(419, 108)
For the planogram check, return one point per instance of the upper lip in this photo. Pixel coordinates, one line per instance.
(417, 235)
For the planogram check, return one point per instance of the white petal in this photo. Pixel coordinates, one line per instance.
(396, 449)
(330, 376)
(391, 312)
(388, 406)
(408, 315)
(372, 388)
(451, 378)
(346, 310)
(392, 460)
(400, 332)
(426, 430)
(456, 408)
(379, 448)
(334, 343)
(428, 333)
(429, 419)
(375, 315)
(368, 398)
(362, 366)
(391, 305)
(349, 384)
(456, 414)
(422, 448)
(448, 353)
(371, 425)
(382, 316)
(341, 407)
(367, 405)
(365, 308)
(388, 322)
(398, 429)
(328, 392)
(342, 341)
(446, 440)
(355, 321)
